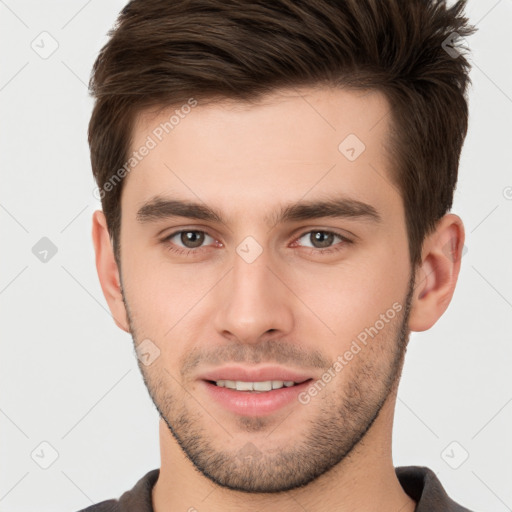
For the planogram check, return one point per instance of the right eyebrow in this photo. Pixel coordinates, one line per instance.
(159, 208)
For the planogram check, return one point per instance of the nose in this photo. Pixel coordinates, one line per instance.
(254, 301)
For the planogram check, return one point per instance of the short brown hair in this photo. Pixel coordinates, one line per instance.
(162, 53)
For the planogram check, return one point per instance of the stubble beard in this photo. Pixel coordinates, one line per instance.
(340, 423)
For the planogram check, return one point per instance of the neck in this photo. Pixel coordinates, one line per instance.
(364, 480)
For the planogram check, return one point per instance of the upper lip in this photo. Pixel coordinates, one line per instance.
(254, 374)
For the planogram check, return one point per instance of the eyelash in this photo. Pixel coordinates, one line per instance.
(312, 250)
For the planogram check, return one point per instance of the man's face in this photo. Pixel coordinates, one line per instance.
(259, 301)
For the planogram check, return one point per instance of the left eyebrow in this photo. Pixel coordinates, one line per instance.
(160, 208)
(336, 208)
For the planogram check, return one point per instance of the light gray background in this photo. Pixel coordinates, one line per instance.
(69, 375)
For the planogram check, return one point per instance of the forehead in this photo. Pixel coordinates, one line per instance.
(291, 143)
(321, 114)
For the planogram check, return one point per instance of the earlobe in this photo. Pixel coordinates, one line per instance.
(108, 272)
(437, 275)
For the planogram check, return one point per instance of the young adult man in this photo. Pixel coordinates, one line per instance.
(276, 179)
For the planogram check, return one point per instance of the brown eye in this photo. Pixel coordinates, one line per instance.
(321, 239)
(192, 239)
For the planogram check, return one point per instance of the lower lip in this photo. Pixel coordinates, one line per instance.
(250, 403)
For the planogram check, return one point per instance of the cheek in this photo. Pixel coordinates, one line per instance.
(163, 297)
(348, 297)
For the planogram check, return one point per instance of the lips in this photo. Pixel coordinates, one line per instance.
(254, 391)
(260, 374)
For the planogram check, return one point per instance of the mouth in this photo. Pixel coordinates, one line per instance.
(256, 386)
(254, 391)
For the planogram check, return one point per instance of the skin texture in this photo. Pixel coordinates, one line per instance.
(293, 305)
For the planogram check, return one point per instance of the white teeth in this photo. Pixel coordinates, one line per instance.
(228, 384)
(266, 385)
(243, 386)
(262, 386)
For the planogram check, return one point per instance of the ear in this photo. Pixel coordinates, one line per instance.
(108, 272)
(437, 274)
